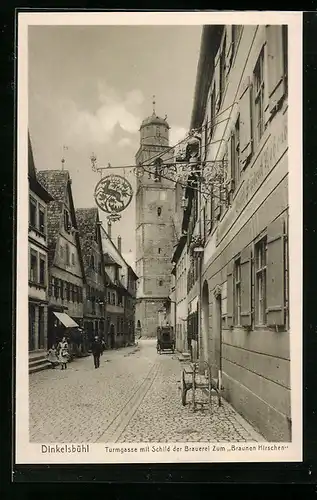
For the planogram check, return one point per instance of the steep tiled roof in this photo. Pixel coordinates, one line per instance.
(55, 181)
(34, 183)
(86, 222)
(110, 260)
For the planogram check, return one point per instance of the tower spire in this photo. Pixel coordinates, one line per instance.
(65, 148)
(153, 102)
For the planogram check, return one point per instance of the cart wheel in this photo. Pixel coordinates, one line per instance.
(184, 390)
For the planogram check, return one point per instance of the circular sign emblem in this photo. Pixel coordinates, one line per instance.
(113, 194)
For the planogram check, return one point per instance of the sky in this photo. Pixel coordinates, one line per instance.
(90, 87)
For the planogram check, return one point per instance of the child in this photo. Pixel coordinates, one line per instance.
(63, 353)
(52, 356)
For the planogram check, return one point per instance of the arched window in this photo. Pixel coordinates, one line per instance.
(159, 211)
(158, 169)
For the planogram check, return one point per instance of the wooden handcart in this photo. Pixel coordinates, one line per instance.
(192, 380)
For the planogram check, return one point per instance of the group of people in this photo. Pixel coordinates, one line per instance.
(59, 355)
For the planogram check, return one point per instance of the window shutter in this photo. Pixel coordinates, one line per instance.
(275, 299)
(275, 62)
(229, 48)
(230, 293)
(246, 299)
(245, 125)
(217, 82)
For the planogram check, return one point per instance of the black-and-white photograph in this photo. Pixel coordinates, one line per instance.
(158, 310)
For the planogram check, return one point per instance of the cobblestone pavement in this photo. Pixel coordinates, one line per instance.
(133, 397)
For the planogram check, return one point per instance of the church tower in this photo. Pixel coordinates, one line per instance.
(155, 233)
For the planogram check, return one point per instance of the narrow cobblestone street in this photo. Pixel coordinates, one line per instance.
(133, 397)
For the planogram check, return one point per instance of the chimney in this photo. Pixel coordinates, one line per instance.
(109, 229)
(119, 244)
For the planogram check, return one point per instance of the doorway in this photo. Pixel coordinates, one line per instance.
(41, 328)
(31, 327)
(217, 323)
(205, 321)
(112, 336)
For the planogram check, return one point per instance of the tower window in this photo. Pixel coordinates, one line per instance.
(159, 211)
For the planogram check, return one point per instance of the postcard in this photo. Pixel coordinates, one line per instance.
(159, 237)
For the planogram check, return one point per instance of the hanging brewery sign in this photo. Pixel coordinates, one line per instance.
(113, 194)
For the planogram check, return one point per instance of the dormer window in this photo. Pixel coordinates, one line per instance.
(67, 223)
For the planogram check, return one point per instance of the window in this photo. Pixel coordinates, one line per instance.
(32, 208)
(108, 298)
(222, 71)
(63, 288)
(72, 292)
(159, 211)
(42, 270)
(235, 35)
(237, 292)
(73, 259)
(160, 282)
(159, 250)
(259, 97)
(114, 299)
(260, 281)
(58, 285)
(75, 293)
(158, 131)
(52, 287)
(33, 267)
(42, 220)
(68, 292)
(235, 153)
(212, 111)
(92, 262)
(67, 256)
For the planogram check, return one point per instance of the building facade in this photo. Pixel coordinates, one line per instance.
(66, 267)
(155, 225)
(38, 258)
(120, 292)
(241, 279)
(129, 305)
(88, 224)
(115, 298)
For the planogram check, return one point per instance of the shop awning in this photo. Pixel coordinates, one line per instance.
(66, 320)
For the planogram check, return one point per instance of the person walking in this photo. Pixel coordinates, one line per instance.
(96, 349)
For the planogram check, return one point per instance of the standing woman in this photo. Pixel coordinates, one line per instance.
(63, 353)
